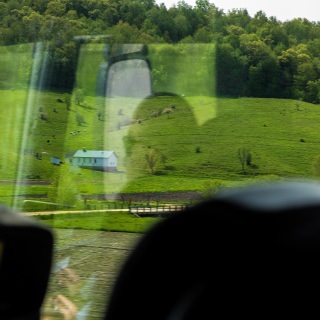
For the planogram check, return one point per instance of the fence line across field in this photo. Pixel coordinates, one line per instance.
(163, 210)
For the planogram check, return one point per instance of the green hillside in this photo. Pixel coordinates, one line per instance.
(201, 139)
(194, 145)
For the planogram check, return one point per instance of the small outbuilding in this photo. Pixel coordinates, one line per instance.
(56, 161)
(100, 160)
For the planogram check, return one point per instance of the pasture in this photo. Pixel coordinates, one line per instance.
(195, 144)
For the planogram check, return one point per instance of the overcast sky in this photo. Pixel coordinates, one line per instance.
(281, 9)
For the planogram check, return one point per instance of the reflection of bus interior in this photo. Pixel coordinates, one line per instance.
(135, 109)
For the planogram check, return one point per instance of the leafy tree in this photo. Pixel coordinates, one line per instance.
(14, 4)
(33, 23)
(185, 10)
(305, 73)
(39, 6)
(288, 65)
(182, 26)
(299, 29)
(232, 71)
(203, 5)
(3, 11)
(132, 12)
(239, 17)
(312, 92)
(123, 32)
(160, 17)
(203, 35)
(264, 78)
(255, 49)
(233, 36)
(79, 96)
(56, 8)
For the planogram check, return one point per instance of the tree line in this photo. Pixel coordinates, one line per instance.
(257, 56)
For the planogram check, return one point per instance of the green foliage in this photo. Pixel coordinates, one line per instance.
(256, 56)
(79, 96)
(184, 69)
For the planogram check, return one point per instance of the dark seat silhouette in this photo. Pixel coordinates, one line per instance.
(26, 253)
(248, 252)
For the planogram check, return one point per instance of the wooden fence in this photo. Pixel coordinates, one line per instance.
(158, 211)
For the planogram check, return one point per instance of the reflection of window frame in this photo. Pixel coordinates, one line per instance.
(117, 53)
(129, 78)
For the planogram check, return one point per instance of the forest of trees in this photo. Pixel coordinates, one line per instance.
(257, 56)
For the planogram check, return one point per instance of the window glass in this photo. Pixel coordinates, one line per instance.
(117, 114)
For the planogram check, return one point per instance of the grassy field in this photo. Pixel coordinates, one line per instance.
(196, 142)
(99, 221)
(195, 145)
